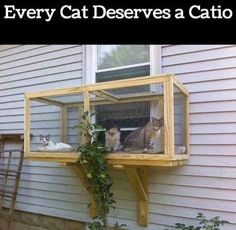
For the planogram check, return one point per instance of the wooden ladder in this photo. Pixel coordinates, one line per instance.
(10, 170)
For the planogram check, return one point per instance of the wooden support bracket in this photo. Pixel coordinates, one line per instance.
(138, 177)
(93, 211)
(139, 180)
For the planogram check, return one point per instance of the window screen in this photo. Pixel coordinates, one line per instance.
(132, 115)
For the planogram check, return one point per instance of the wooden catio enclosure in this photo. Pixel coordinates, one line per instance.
(154, 96)
(133, 103)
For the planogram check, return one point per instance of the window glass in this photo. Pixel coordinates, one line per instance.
(129, 115)
(111, 56)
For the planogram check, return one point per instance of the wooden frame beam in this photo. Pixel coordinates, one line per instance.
(86, 110)
(187, 127)
(113, 159)
(139, 97)
(105, 95)
(64, 124)
(179, 85)
(48, 101)
(169, 139)
(146, 80)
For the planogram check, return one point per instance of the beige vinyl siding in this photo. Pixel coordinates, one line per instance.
(44, 187)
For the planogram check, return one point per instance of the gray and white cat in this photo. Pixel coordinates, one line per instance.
(112, 136)
(49, 145)
(145, 138)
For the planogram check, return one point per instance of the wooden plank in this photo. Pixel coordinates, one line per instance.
(59, 157)
(144, 205)
(105, 95)
(48, 101)
(169, 118)
(182, 87)
(113, 159)
(161, 113)
(125, 98)
(146, 80)
(64, 124)
(86, 110)
(153, 163)
(80, 137)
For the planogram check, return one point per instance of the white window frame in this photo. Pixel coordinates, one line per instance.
(90, 63)
(90, 68)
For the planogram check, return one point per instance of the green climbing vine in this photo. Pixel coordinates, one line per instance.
(92, 158)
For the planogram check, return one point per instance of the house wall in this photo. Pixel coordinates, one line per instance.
(44, 187)
(206, 184)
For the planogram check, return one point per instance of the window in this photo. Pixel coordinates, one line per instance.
(111, 56)
(116, 62)
(122, 61)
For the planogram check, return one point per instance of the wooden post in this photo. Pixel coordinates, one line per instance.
(143, 204)
(27, 126)
(80, 134)
(64, 124)
(139, 180)
(86, 110)
(169, 118)
(187, 128)
(161, 115)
